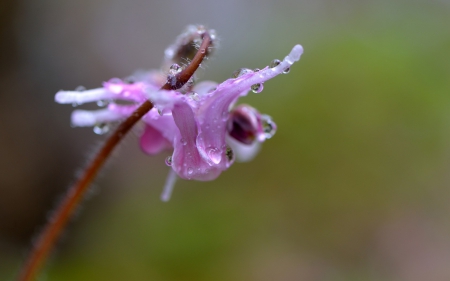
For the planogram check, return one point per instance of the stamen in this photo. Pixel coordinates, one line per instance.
(168, 187)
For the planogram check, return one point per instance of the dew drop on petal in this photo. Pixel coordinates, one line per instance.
(80, 89)
(257, 88)
(101, 128)
(274, 63)
(102, 103)
(240, 72)
(183, 141)
(190, 170)
(194, 96)
(214, 154)
(225, 115)
(286, 71)
(129, 80)
(168, 161)
(268, 125)
(115, 81)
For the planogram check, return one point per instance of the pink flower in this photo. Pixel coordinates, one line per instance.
(198, 121)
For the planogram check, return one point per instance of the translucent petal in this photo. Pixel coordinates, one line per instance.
(86, 118)
(80, 97)
(186, 160)
(152, 141)
(243, 152)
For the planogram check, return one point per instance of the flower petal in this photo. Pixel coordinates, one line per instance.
(86, 118)
(213, 112)
(205, 87)
(186, 160)
(80, 97)
(152, 141)
(243, 152)
(126, 91)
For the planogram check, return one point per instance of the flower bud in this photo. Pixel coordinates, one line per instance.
(244, 124)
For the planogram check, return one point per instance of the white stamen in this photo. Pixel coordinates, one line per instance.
(86, 118)
(82, 97)
(168, 186)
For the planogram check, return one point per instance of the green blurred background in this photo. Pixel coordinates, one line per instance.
(355, 184)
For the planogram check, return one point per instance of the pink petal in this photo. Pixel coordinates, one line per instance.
(152, 141)
(186, 160)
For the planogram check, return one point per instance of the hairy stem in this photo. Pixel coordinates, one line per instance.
(52, 230)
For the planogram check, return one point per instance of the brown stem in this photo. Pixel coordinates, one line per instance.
(63, 213)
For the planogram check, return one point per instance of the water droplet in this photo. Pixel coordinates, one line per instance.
(257, 88)
(202, 51)
(168, 161)
(229, 153)
(241, 71)
(80, 89)
(130, 80)
(102, 103)
(75, 104)
(201, 29)
(188, 85)
(194, 96)
(286, 71)
(269, 127)
(101, 129)
(175, 68)
(190, 170)
(115, 81)
(212, 34)
(274, 63)
(256, 70)
(172, 80)
(225, 115)
(214, 154)
(160, 112)
(183, 141)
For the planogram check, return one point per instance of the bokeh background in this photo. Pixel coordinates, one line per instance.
(355, 184)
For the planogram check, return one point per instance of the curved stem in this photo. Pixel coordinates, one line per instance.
(63, 213)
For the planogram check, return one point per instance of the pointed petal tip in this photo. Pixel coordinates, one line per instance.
(83, 118)
(296, 52)
(62, 97)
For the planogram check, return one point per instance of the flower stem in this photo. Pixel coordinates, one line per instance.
(52, 230)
